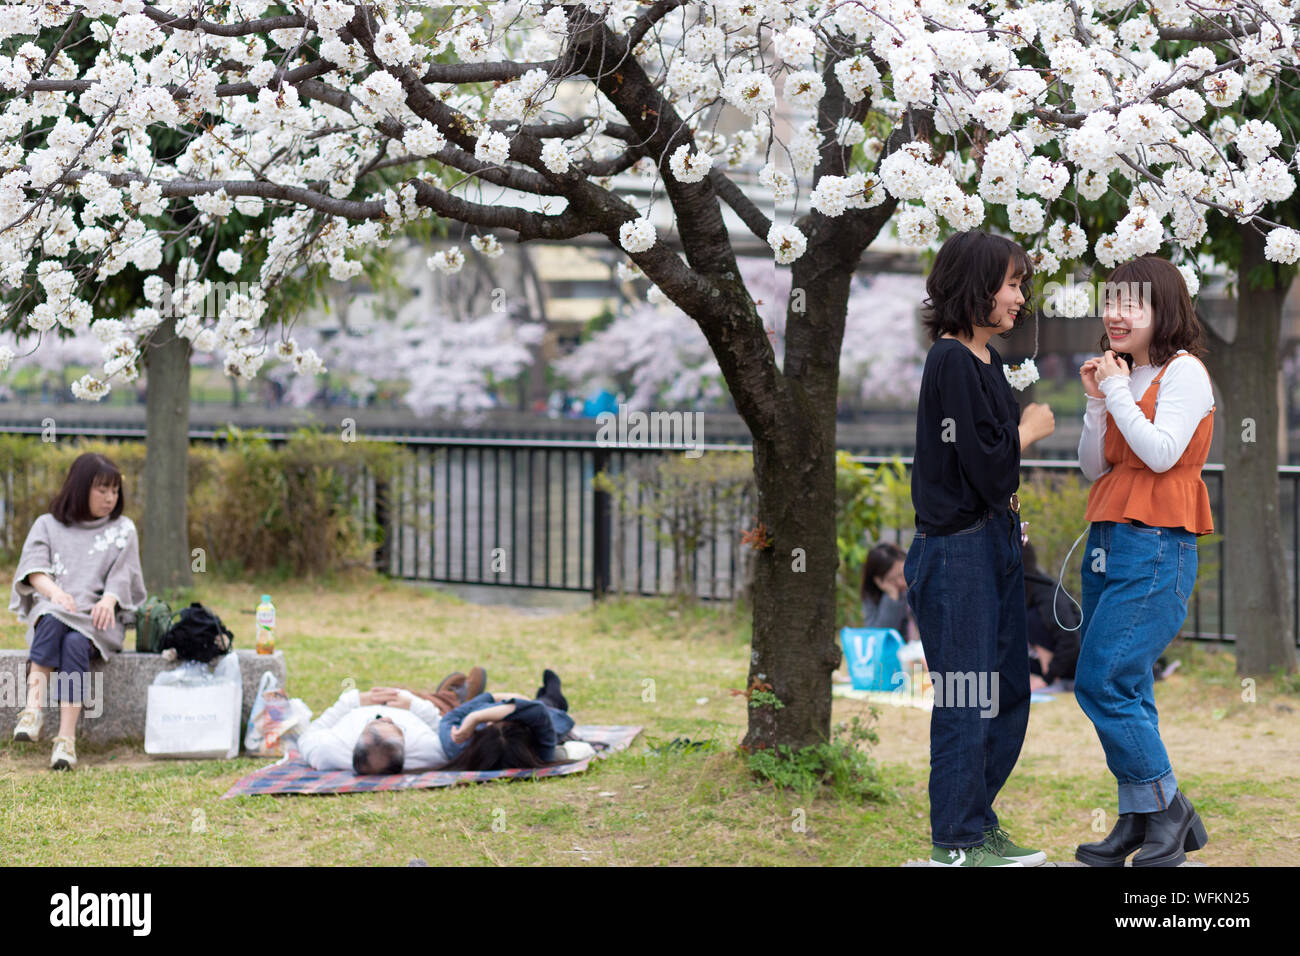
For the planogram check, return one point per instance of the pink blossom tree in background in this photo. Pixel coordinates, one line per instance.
(445, 366)
(660, 350)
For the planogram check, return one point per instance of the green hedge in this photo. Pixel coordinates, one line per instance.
(301, 508)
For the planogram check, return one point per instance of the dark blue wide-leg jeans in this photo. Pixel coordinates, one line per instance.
(967, 593)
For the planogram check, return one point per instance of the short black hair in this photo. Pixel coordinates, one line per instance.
(968, 272)
(375, 753)
(72, 503)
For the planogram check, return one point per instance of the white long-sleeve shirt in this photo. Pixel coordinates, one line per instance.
(328, 743)
(1184, 398)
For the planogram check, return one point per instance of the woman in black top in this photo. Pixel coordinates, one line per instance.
(964, 573)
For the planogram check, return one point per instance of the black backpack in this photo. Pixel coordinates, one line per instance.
(199, 635)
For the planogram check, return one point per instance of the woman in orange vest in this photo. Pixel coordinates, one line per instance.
(1146, 434)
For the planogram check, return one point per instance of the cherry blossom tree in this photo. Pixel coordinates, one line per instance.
(659, 351)
(345, 125)
(445, 365)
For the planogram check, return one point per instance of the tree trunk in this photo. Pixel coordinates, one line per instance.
(1257, 588)
(794, 649)
(794, 639)
(165, 556)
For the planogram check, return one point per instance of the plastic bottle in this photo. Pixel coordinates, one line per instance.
(266, 626)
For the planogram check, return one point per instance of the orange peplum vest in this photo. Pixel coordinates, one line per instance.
(1131, 491)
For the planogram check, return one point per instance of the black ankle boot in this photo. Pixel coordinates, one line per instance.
(1170, 832)
(549, 692)
(1127, 836)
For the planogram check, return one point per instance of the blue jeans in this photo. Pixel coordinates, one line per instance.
(1137, 581)
(967, 593)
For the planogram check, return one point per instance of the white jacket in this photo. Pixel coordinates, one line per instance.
(328, 743)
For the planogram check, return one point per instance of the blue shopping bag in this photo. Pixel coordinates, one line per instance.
(872, 656)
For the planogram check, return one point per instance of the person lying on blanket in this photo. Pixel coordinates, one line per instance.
(394, 730)
(386, 729)
(507, 731)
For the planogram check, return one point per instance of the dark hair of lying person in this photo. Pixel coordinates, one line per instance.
(375, 753)
(500, 745)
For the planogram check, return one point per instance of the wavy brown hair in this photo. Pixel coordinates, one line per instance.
(72, 503)
(1175, 324)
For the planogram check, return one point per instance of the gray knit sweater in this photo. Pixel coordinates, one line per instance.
(88, 559)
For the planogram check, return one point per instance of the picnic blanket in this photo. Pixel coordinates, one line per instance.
(292, 774)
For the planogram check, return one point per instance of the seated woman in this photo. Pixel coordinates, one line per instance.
(884, 591)
(78, 578)
(505, 731)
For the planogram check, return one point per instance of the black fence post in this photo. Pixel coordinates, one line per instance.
(383, 553)
(601, 528)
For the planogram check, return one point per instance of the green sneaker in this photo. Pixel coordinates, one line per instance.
(1000, 843)
(971, 856)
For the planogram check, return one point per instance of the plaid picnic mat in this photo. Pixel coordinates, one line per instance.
(291, 774)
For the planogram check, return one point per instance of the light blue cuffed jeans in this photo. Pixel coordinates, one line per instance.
(1137, 580)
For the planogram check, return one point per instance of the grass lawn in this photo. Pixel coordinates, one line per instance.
(1237, 760)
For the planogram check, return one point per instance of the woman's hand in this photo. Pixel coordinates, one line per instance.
(892, 584)
(464, 730)
(1088, 374)
(1108, 365)
(1037, 419)
(101, 615)
(64, 599)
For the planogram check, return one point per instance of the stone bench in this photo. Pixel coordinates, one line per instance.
(123, 682)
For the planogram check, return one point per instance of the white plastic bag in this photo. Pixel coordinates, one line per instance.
(193, 711)
(273, 717)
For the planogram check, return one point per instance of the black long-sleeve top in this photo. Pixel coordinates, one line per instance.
(967, 439)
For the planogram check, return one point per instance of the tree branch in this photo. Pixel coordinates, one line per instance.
(646, 22)
(740, 204)
(172, 22)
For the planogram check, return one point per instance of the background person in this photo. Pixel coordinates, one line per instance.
(382, 730)
(79, 569)
(1053, 648)
(884, 591)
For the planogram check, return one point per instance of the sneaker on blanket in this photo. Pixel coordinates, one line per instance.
(572, 750)
(29, 723)
(64, 756)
